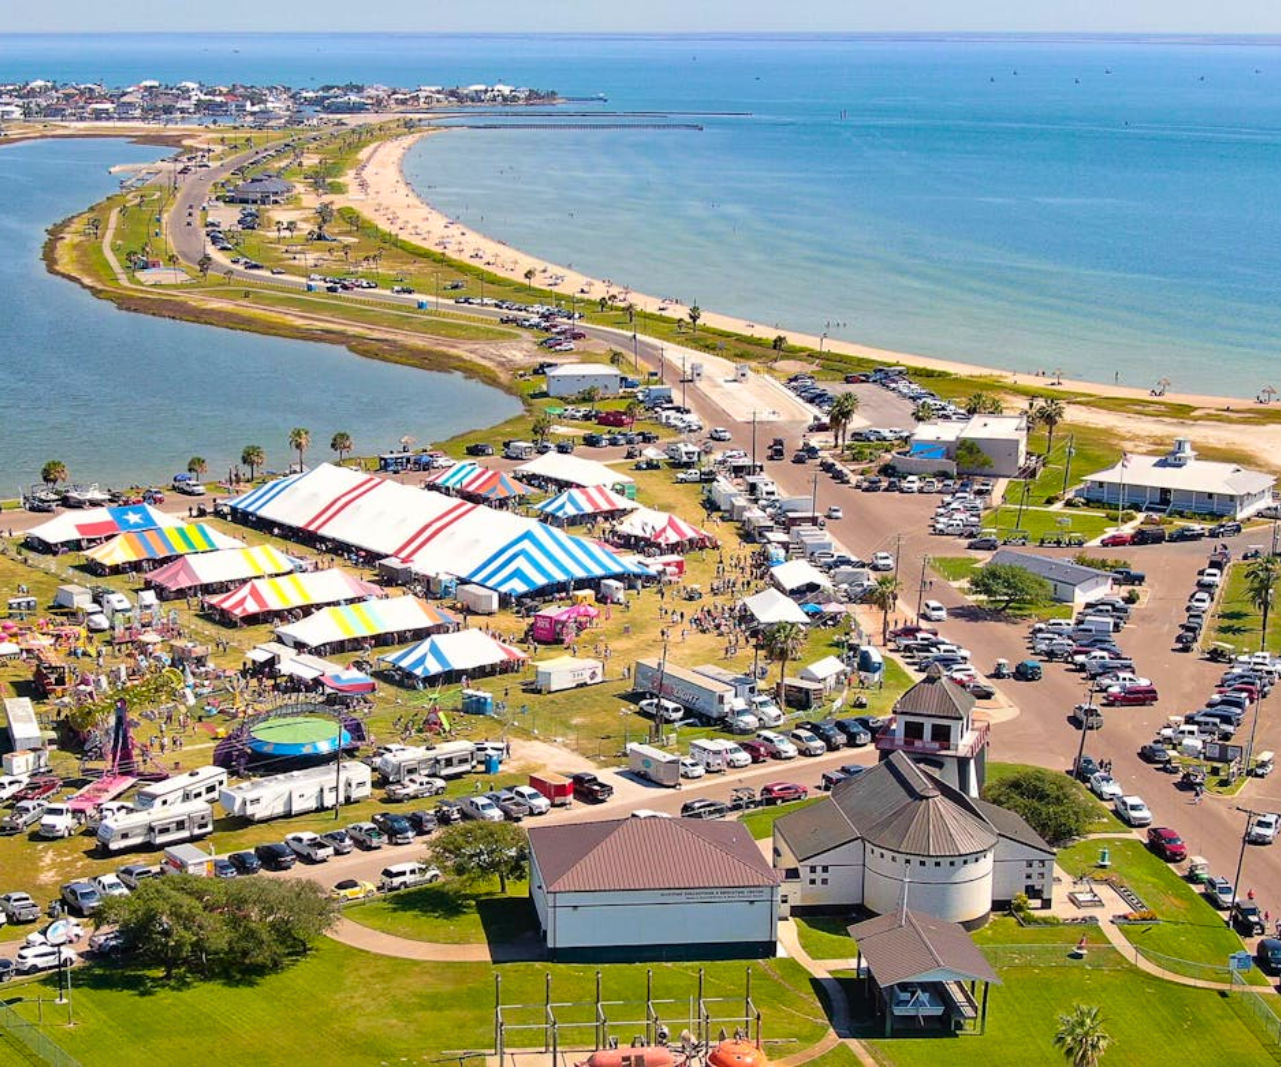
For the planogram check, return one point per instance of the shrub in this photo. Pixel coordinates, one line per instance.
(1128, 515)
(1053, 805)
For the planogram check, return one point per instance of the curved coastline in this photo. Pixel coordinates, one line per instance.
(379, 188)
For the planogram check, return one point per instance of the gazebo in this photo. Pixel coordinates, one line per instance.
(923, 972)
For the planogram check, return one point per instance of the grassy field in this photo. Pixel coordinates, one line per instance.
(760, 823)
(1190, 930)
(955, 568)
(1105, 821)
(1237, 622)
(341, 1006)
(451, 913)
(824, 937)
(1036, 523)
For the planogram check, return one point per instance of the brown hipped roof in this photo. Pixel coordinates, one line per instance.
(639, 854)
(936, 696)
(907, 946)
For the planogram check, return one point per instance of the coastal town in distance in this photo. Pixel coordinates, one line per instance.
(715, 690)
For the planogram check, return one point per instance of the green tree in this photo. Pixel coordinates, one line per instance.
(1049, 413)
(884, 595)
(1051, 803)
(300, 441)
(633, 411)
(616, 357)
(253, 457)
(695, 313)
(53, 472)
(1007, 584)
(971, 457)
(541, 427)
(841, 414)
(923, 412)
(1260, 583)
(982, 403)
(603, 304)
(480, 850)
(779, 343)
(782, 643)
(324, 216)
(529, 278)
(1081, 1037)
(203, 264)
(341, 443)
(196, 465)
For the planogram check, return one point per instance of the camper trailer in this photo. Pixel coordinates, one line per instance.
(446, 760)
(151, 829)
(297, 792)
(204, 783)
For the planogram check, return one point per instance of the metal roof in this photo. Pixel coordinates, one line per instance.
(640, 854)
(1049, 568)
(937, 697)
(907, 946)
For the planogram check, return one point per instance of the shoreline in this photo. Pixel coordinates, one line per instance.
(378, 187)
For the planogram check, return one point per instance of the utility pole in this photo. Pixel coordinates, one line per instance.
(338, 770)
(814, 496)
(754, 468)
(1085, 729)
(920, 589)
(1018, 522)
(1067, 463)
(1236, 882)
(684, 380)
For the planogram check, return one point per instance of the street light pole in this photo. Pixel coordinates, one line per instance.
(1080, 749)
(1067, 463)
(753, 441)
(1236, 882)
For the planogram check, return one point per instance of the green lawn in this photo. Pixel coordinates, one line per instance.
(1037, 523)
(955, 568)
(1093, 449)
(760, 823)
(1005, 930)
(837, 1056)
(341, 1006)
(451, 913)
(1190, 930)
(824, 937)
(1239, 623)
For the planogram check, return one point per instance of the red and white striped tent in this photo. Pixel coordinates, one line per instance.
(579, 504)
(663, 530)
(474, 482)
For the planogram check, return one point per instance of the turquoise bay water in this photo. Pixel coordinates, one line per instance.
(119, 396)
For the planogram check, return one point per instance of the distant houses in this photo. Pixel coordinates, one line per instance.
(1070, 583)
(263, 190)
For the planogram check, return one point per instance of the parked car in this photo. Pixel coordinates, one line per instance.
(1167, 844)
(534, 800)
(32, 959)
(413, 786)
(1154, 752)
(703, 808)
(1267, 955)
(1247, 918)
(827, 731)
(339, 841)
(756, 750)
(448, 811)
(246, 863)
(309, 846)
(1117, 540)
(81, 898)
(134, 874)
(807, 743)
(1132, 811)
(353, 889)
(778, 746)
(20, 908)
(275, 856)
(1220, 892)
(110, 885)
(224, 868)
(783, 792)
(1263, 828)
(1105, 787)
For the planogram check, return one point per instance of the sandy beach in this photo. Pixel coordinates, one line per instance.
(378, 188)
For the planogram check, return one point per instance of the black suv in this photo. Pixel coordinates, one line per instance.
(423, 822)
(828, 732)
(1148, 535)
(479, 448)
(276, 856)
(703, 809)
(1225, 529)
(398, 829)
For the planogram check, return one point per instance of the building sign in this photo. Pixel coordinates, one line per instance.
(1218, 752)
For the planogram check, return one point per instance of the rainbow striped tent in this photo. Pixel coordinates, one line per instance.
(392, 621)
(474, 482)
(134, 547)
(289, 591)
(214, 570)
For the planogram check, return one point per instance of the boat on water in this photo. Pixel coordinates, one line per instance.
(85, 496)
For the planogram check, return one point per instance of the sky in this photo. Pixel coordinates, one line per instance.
(662, 16)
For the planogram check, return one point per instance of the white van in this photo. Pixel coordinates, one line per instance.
(933, 611)
(407, 875)
(910, 484)
(710, 754)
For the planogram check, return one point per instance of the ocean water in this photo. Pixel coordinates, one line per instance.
(1103, 207)
(120, 397)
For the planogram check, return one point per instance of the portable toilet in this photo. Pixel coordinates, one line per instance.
(422, 305)
(477, 702)
(493, 762)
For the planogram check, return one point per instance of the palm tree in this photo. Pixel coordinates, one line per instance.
(1260, 581)
(253, 457)
(541, 427)
(1081, 1036)
(341, 443)
(291, 227)
(982, 403)
(782, 643)
(196, 465)
(53, 472)
(885, 597)
(632, 411)
(923, 412)
(203, 264)
(324, 216)
(529, 278)
(300, 441)
(1049, 414)
(695, 313)
(841, 414)
(779, 343)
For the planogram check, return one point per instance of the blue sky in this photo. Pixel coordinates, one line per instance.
(1102, 16)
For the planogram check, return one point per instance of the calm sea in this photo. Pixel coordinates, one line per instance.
(118, 396)
(1104, 207)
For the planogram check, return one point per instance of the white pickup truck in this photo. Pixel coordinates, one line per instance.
(309, 846)
(57, 821)
(415, 786)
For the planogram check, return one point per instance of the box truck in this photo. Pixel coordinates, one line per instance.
(297, 792)
(707, 699)
(661, 768)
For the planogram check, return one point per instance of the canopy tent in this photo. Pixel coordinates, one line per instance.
(663, 529)
(829, 670)
(288, 592)
(575, 504)
(562, 469)
(463, 651)
(95, 524)
(554, 624)
(142, 546)
(799, 575)
(477, 483)
(771, 606)
(216, 570)
(290, 662)
(348, 682)
(437, 534)
(392, 621)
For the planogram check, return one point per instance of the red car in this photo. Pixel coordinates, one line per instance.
(756, 749)
(913, 631)
(782, 792)
(1130, 696)
(1117, 540)
(1167, 844)
(612, 418)
(38, 789)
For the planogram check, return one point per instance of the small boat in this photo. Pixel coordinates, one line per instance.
(85, 496)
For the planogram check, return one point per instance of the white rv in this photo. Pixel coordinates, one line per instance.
(446, 760)
(203, 783)
(297, 792)
(166, 826)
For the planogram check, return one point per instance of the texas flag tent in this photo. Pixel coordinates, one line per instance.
(576, 505)
(474, 482)
(348, 682)
(75, 529)
(394, 621)
(662, 530)
(143, 547)
(214, 571)
(267, 596)
(469, 652)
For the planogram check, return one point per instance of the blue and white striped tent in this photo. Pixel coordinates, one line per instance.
(465, 650)
(543, 556)
(582, 503)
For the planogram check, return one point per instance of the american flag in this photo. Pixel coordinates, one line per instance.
(1125, 460)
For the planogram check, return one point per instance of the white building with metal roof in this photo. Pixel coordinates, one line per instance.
(1070, 583)
(1180, 481)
